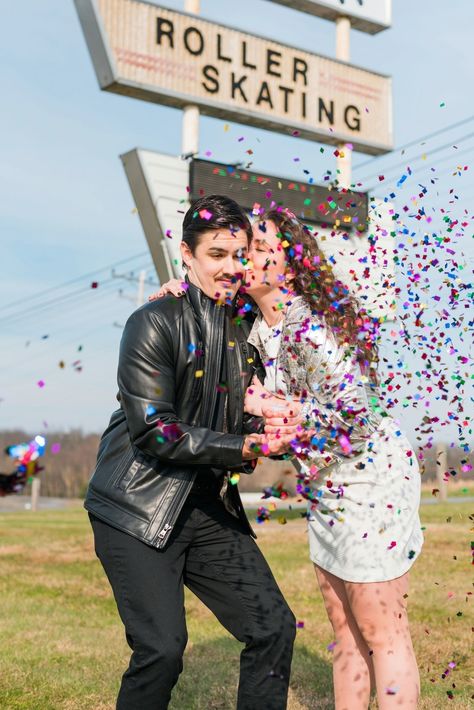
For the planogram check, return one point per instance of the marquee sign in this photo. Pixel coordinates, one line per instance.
(156, 54)
(312, 203)
(160, 187)
(370, 16)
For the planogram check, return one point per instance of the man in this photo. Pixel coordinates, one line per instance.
(155, 500)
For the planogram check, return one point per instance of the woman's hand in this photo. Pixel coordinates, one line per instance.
(255, 396)
(282, 417)
(174, 286)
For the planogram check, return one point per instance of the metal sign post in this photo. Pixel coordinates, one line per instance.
(190, 132)
(343, 44)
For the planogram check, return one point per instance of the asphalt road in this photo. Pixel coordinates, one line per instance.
(16, 503)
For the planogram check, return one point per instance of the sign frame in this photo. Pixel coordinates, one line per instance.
(110, 80)
(329, 10)
(318, 204)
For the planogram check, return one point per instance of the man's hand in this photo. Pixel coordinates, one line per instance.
(256, 445)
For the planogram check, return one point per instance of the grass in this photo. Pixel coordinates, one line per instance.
(62, 643)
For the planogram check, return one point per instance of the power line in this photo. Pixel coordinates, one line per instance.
(417, 141)
(105, 312)
(35, 308)
(78, 278)
(391, 168)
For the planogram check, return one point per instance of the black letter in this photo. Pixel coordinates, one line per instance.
(200, 49)
(237, 85)
(329, 113)
(164, 28)
(271, 62)
(300, 70)
(244, 57)
(286, 91)
(219, 50)
(207, 71)
(264, 95)
(355, 124)
(303, 104)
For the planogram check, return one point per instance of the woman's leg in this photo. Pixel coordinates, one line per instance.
(352, 665)
(379, 609)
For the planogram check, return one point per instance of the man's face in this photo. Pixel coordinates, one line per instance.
(217, 264)
(267, 265)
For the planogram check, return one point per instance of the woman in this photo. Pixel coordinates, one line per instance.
(363, 481)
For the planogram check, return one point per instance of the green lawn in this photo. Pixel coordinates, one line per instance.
(62, 644)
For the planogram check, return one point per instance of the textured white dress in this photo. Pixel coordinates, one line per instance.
(363, 521)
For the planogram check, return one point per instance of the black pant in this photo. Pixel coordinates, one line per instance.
(222, 565)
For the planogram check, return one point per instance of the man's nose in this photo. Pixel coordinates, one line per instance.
(229, 264)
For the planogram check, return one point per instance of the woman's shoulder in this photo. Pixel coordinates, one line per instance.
(300, 318)
(306, 335)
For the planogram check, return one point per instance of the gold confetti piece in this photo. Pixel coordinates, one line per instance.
(199, 373)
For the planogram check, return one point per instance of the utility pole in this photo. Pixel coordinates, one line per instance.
(190, 127)
(343, 45)
(141, 281)
(442, 470)
(141, 288)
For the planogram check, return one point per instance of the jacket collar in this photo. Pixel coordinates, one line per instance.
(202, 304)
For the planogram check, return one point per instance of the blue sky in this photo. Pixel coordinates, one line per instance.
(65, 205)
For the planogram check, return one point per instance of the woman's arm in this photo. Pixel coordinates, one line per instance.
(174, 286)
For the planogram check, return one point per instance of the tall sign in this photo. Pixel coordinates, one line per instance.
(370, 16)
(156, 54)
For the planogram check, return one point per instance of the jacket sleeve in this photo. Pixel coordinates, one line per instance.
(147, 388)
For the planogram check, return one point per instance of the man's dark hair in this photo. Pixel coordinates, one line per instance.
(213, 212)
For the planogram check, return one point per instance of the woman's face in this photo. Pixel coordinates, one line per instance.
(267, 268)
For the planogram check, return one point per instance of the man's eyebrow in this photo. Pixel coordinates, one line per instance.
(213, 247)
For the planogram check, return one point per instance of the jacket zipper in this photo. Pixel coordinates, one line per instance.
(174, 510)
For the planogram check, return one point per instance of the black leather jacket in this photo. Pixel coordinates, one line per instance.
(160, 438)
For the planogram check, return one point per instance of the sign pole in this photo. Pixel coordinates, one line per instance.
(343, 44)
(190, 127)
(35, 492)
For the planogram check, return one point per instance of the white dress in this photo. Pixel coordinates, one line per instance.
(363, 521)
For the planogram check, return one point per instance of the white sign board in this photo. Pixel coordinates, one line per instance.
(153, 53)
(159, 186)
(370, 16)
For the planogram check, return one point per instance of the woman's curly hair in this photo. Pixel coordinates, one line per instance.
(329, 298)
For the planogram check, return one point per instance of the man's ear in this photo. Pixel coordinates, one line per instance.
(186, 254)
